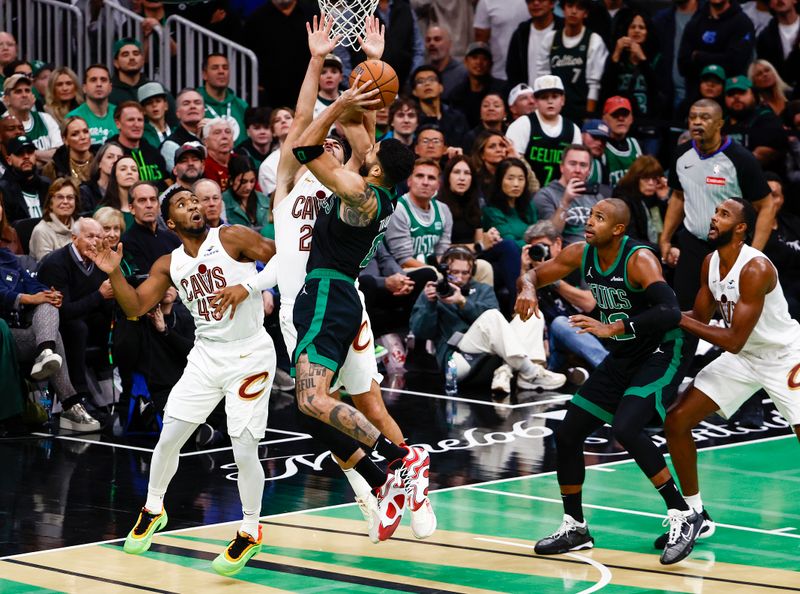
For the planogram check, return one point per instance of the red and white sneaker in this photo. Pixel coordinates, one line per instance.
(369, 509)
(415, 471)
(391, 505)
(423, 520)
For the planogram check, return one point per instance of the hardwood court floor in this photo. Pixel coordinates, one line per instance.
(483, 544)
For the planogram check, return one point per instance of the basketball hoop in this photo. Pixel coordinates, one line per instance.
(349, 17)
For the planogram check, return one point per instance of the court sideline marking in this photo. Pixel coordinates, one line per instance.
(352, 503)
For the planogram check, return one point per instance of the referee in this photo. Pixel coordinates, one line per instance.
(707, 170)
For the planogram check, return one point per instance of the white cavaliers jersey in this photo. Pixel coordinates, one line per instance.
(198, 278)
(775, 328)
(294, 221)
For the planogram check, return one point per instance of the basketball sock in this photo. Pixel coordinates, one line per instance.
(695, 502)
(164, 463)
(360, 486)
(672, 497)
(370, 472)
(393, 453)
(573, 506)
(528, 369)
(250, 480)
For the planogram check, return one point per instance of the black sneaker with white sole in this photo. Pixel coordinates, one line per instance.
(684, 528)
(708, 529)
(570, 536)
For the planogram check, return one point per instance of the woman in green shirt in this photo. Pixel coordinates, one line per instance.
(243, 204)
(510, 207)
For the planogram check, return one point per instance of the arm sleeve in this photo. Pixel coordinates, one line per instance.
(447, 232)
(663, 315)
(483, 299)
(576, 135)
(53, 131)
(398, 236)
(519, 133)
(545, 204)
(424, 319)
(265, 279)
(595, 64)
(751, 177)
(168, 149)
(481, 20)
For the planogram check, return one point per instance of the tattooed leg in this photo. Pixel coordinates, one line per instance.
(313, 381)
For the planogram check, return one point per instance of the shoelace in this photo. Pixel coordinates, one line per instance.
(676, 522)
(239, 544)
(565, 528)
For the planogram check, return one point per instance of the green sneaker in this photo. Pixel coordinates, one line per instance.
(238, 552)
(138, 539)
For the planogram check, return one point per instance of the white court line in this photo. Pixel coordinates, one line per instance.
(600, 469)
(93, 442)
(483, 402)
(261, 443)
(626, 511)
(788, 529)
(340, 505)
(605, 573)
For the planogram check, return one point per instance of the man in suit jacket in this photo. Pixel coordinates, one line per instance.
(87, 297)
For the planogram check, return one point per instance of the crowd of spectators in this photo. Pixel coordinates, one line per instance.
(523, 115)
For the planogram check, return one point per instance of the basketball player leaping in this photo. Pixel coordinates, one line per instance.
(232, 359)
(761, 340)
(648, 353)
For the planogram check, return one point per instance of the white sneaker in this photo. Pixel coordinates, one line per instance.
(501, 381)
(45, 365)
(75, 418)
(369, 509)
(544, 379)
(423, 520)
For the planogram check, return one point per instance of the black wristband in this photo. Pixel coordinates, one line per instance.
(306, 154)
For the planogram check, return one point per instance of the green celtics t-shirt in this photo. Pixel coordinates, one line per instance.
(619, 160)
(100, 129)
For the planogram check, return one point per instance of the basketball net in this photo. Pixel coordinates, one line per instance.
(349, 17)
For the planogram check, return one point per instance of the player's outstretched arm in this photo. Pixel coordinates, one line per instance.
(134, 302)
(758, 277)
(548, 272)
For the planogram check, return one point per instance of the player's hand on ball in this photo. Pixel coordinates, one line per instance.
(592, 326)
(357, 97)
(228, 297)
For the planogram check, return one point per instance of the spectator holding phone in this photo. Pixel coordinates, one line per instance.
(567, 201)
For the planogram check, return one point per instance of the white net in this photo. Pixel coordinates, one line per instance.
(349, 18)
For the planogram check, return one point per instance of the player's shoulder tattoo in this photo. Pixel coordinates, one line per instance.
(358, 210)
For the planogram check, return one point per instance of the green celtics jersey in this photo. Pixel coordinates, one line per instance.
(100, 129)
(617, 299)
(619, 160)
(39, 133)
(423, 237)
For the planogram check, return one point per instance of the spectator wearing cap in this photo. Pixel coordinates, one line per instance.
(190, 111)
(779, 42)
(718, 33)
(712, 83)
(495, 22)
(23, 189)
(40, 128)
(153, 99)
(468, 95)
(438, 46)
(527, 41)
(540, 137)
(520, 101)
(189, 164)
(219, 98)
(10, 127)
(428, 88)
(329, 80)
(622, 149)
(129, 118)
(210, 195)
(97, 111)
(22, 67)
(578, 56)
(595, 135)
(755, 126)
(144, 241)
(40, 75)
(128, 75)
(258, 144)
(218, 140)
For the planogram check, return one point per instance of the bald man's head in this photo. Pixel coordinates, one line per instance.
(709, 104)
(618, 211)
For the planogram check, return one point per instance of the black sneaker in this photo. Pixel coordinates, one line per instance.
(683, 532)
(707, 530)
(571, 536)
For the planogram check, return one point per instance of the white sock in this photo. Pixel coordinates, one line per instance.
(164, 462)
(154, 503)
(360, 486)
(250, 524)
(695, 502)
(250, 480)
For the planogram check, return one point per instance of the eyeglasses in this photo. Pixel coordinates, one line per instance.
(426, 80)
(433, 141)
(64, 197)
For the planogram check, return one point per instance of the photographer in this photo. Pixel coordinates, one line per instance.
(558, 302)
(568, 201)
(462, 318)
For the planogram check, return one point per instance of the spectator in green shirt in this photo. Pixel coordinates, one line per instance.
(510, 208)
(243, 204)
(96, 110)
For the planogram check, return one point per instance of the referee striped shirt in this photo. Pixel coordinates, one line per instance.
(708, 180)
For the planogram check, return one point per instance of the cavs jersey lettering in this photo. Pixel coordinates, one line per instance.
(198, 279)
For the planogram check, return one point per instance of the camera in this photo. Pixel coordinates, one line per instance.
(443, 288)
(539, 252)
(590, 189)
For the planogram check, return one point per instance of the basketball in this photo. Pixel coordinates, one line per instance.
(382, 76)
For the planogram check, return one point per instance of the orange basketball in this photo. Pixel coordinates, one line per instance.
(382, 76)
